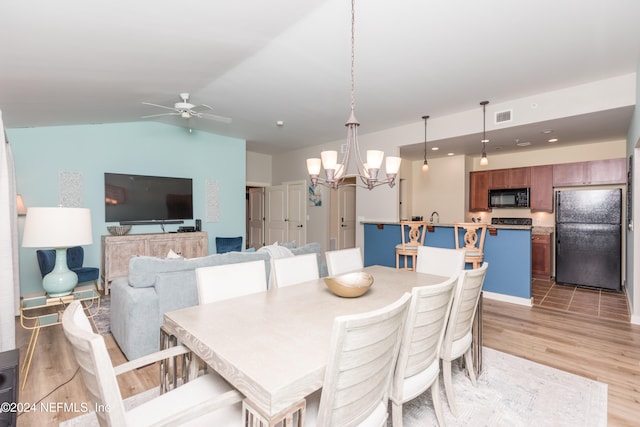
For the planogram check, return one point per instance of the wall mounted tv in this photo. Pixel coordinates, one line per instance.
(141, 199)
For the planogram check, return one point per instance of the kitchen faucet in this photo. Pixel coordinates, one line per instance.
(431, 217)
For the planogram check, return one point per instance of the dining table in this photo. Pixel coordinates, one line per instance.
(273, 346)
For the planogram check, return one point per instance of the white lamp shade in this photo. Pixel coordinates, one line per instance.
(374, 158)
(392, 164)
(57, 228)
(313, 166)
(329, 159)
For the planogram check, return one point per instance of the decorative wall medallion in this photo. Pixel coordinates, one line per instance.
(70, 189)
(212, 197)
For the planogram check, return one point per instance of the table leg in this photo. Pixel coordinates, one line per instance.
(26, 364)
(168, 367)
(289, 417)
(476, 344)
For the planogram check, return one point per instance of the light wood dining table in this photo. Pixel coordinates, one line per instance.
(273, 346)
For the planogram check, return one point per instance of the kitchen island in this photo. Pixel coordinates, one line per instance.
(507, 249)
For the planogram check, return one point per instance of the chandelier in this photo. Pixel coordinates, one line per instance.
(369, 171)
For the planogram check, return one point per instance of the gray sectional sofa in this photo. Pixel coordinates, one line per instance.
(156, 285)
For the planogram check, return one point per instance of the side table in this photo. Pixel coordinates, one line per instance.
(42, 311)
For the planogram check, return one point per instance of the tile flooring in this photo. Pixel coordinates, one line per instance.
(591, 302)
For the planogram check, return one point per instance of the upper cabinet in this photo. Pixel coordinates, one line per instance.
(541, 193)
(596, 172)
(509, 178)
(479, 191)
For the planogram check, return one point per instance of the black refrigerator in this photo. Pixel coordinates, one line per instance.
(589, 238)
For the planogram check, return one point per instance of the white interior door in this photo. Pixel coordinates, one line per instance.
(256, 218)
(275, 214)
(297, 213)
(347, 213)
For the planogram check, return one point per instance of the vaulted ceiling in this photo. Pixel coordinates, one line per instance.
(259, 62)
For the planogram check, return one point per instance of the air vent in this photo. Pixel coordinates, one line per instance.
(343, 148)
(504, 116)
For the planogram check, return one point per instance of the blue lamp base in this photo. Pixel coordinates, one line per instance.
(60, 281)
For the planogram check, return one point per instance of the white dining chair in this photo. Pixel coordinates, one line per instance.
(440, 261)
(458, 336)
(363, 352)
(295, 269)
(344, 261)
(206, 400)
(418, 365)
(220, 282)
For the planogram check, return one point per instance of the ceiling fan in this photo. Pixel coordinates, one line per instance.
(187, 110)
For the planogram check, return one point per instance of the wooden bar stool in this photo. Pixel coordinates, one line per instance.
(409, 248)
(472, 242)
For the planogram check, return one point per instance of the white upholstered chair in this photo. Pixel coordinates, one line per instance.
(220, 282)
(363, 353)
(344, 261)
(295, 269)
(440, 261)
(458, 336)
(206, 400)
(418, 366)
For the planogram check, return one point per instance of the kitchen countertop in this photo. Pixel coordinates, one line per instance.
(542, 230)
(444, 224)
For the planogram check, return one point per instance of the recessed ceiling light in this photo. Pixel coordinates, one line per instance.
(547, 131)
(523, 143)
(279, 123)
(450, 154)
(435, 148)
(553, 140)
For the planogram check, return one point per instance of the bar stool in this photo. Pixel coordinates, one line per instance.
(416, 233)
(472, 242)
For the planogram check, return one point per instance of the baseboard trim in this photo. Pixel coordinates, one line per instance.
(528, 302)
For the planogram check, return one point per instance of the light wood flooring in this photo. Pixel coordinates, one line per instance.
(596, 348)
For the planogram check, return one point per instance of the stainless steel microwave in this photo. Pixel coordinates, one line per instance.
(509, 198)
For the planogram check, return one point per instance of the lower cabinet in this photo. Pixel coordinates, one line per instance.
(541, 256)
(117, 250)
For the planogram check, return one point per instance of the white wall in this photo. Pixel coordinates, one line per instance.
(258, 169)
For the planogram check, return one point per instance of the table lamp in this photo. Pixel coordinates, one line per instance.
(58, 228)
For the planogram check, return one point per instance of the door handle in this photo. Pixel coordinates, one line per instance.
(299, 226)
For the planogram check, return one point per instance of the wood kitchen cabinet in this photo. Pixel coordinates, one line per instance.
(596, 172)
(118, 250)
(541, 189)
(479, 191)
(541, 256)
(509, 178)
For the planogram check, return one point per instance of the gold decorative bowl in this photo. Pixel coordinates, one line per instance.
(119, 230)
(350, 285)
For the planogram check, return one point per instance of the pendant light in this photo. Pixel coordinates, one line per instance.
(425, 165)
(367, 171)
(483, 160)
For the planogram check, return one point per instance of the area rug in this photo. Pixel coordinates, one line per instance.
(511, 392)
(102, 319)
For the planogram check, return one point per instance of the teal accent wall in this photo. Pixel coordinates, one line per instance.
(136, 148)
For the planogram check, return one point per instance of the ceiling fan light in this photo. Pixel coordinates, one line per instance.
(185, 115)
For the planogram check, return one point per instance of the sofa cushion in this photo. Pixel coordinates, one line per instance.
(310, 248)
(143, 270)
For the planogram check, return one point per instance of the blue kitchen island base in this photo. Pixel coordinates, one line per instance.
(508, 253)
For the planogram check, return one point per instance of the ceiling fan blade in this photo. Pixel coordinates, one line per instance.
(158, 115)
(213, 117)
(160, 106)
(205, 106)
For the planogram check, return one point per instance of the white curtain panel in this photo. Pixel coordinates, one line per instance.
(9, 271)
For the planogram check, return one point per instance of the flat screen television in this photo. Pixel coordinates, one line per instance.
(147, 199)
